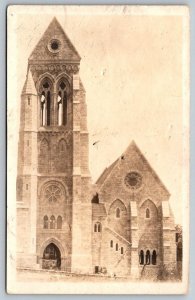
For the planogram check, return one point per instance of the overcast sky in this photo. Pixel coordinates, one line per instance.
(131, 69)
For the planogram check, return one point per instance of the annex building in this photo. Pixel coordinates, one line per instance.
(123, 224)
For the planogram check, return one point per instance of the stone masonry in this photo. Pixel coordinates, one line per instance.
(123, 224)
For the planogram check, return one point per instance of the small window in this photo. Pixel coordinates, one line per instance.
(26, 186)
(95, 228)
(147, 213)
(28, 100)
(52, 222)
(111, 244)
(141, 257)
(116, 246)
(148, 257)
(122, 251)
(99, 227)
(118, 212)
(154, 257)
(45, 222)
(96, 269)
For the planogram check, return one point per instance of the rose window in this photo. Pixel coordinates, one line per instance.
(53, 193)
(133, 180)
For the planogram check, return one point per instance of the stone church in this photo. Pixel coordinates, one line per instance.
(121, 225)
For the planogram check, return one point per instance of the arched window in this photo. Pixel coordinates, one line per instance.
(118, 213)
(62, 145)
(154, 257)
(148, 257)
(45, 222)
(59, 222)
(111, 244)
(99, 227)
(147, 213)
(62, 103)
(122, 251)
(116, 246)
(141, 257)
(45, 102)
(52, 222)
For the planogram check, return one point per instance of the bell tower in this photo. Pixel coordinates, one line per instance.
(53, 182)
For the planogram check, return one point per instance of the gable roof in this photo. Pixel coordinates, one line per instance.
(134, 147)
(67, 51)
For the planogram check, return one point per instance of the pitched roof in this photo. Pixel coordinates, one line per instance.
(98, 210)
(133, 146)
(106, 172)
(67, 51)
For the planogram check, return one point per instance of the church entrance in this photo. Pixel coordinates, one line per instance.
(51, 257)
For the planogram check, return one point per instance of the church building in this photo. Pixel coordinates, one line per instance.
(123, 224)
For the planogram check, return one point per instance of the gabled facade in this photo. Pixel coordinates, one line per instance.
(137, 235)
(127, 227)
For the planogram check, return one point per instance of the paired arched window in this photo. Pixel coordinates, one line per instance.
(45, 102)
(45, 222)
(118, 212)
(111, 244)
(59, 222)
(148, 258)
(97, 227)
(52, 222)
(147, 213)
(60, 102)
(116, 246)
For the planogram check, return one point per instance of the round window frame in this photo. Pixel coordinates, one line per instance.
(54, 51)
(139, 183)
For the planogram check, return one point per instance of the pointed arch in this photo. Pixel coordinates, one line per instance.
(56, 242)
(45, 222)
(149, 208)
(52, 222)
(154, 256)
(147, 213)
(117, 204)
(45, 91)
(59, 222)
(141, 257)
(63, 91)
(62, 145)
(148, 257)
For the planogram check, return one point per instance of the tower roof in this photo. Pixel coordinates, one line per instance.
(54, 45)
(29, 86)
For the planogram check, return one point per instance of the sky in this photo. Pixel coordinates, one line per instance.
(132, 71)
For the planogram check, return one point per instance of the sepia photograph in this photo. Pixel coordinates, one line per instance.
(97, 149)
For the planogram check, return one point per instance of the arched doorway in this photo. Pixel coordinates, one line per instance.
(51, 257)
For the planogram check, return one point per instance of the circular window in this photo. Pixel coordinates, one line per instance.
(53, 193)
(54, 46)
(133, 180)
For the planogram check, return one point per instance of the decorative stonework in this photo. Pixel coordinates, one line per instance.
(133, 180)
(52, 193)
